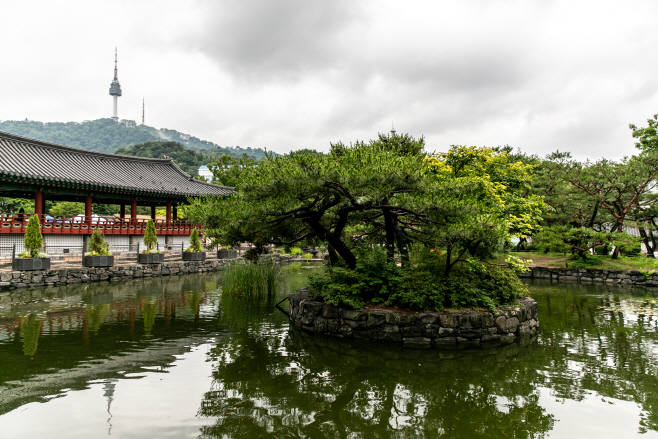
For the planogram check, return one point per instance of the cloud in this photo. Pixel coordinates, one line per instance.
(300, 74)
(273, 40)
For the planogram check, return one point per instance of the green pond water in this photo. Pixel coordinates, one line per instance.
(172, 357)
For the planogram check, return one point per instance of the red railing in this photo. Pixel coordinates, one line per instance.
(81, 225)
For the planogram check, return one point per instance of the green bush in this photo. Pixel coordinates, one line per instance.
(296, 251)
(97, 245)
(33, 238)
(423, 285)
(195, 242)
(150, 238)
(630, 249)
(579, 262)
(602, 249)
(308, 256)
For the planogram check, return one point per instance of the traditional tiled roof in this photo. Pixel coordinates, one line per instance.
(34, 161)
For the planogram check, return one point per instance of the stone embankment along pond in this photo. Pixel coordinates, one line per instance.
(422, 329)
(593, 275)
(22, 279)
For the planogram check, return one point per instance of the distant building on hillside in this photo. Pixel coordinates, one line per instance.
(205, 173)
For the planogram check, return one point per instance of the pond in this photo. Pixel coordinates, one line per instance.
(172, 357)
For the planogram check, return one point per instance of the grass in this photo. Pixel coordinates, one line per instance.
(251, 279)
(558, 260)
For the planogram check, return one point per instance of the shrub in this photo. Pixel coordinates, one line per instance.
(97, 245)
(423, 285)
(631, 249)
(602, 249)
(195, 242)
(372, 280)
(308, 256)
(296, 251)
(33, 238)
(150, 238)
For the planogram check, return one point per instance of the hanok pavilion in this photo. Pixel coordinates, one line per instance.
(45, 171)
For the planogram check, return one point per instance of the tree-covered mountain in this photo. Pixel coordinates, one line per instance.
(187, 159)
(106, 135)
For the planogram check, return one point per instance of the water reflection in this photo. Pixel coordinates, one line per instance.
(597, 345)
(325, 387)
(58, 338)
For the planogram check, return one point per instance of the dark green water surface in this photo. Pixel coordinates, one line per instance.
(172, 357)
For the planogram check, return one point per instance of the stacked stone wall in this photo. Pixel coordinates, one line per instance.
(593, 275)
(23, 279)
(421, 329)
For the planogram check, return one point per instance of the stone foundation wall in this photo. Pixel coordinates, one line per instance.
(441, 329)
(22, 279)
(593, 275)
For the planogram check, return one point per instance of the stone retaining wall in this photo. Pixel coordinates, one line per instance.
(442, 329)
(22, 279)
(593, 275)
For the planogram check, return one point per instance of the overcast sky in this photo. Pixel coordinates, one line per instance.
(282, 75)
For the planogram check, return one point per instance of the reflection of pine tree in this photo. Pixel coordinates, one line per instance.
(31, 329)
(194, 301)
(96, 316)
(148, 314)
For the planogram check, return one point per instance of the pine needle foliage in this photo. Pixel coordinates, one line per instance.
(33, 238)
(195, 242)
(150, 236)
(97, 245)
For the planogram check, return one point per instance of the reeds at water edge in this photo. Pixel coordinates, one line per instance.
(251, 279)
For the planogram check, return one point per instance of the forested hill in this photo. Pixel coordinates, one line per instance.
(187, 159)
(106, 135)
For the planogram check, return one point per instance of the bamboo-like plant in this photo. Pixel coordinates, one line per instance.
(150, 238)
(33, 238)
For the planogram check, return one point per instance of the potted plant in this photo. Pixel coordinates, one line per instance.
(195, 251)
(98, 254)
(151, 255)
(33, 258)
(226, 252)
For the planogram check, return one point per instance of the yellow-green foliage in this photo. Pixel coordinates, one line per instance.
(195, 242)
(33, 239)
(150, 236)
(490, 185)
(30, 330)
(97, 245)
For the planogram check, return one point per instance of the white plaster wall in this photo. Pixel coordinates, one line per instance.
(55, 244)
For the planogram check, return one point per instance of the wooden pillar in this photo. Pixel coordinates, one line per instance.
(38, 203)
(133, 209)
(169, 212)
(152, 211)
(88, 208)
(175, 213)
(122, 210)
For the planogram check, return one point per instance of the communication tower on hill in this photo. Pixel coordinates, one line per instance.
(115, 88)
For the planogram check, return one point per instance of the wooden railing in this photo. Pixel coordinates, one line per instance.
(81, 225)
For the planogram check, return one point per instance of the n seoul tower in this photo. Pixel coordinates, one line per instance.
(115, 88)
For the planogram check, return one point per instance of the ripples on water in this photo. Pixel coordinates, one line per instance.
(173, 357)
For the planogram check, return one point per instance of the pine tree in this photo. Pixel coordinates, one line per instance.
(150, 237)
(97, 244)
(195, 243)
(33, 238)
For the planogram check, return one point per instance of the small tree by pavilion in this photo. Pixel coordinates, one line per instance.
(33, 238)
(150, 238)
(97, 246)
(195, 242)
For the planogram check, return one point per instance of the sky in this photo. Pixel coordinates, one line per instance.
(284, 75)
